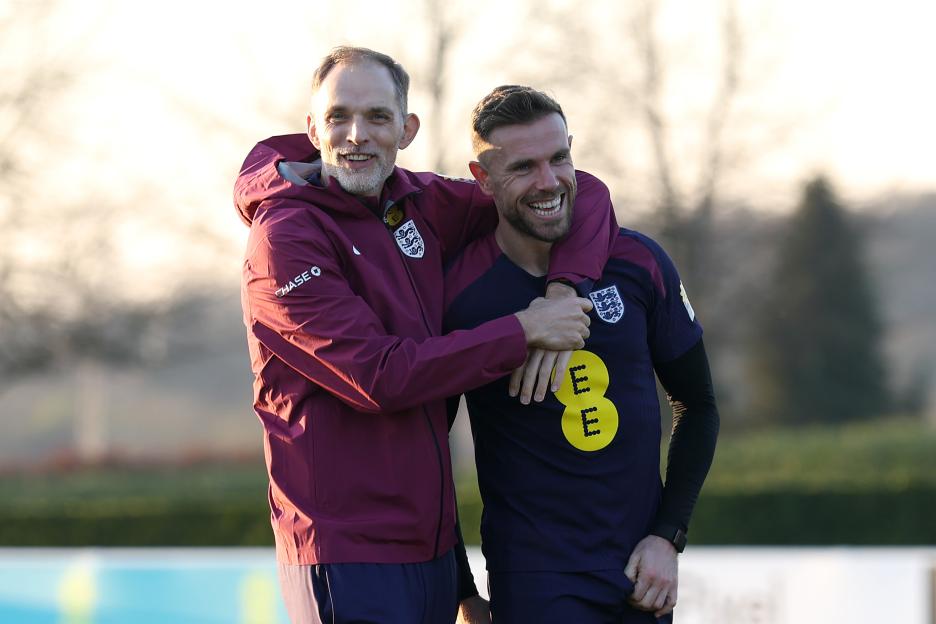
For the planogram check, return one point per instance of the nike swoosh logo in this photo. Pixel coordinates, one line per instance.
(355, 250)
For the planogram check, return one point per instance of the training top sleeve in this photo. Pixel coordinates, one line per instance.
(687, 381)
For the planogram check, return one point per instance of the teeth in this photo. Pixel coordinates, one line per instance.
(549, 206)
(357, 156)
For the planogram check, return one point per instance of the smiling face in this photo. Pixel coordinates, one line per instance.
(357, 125)
(528, 169)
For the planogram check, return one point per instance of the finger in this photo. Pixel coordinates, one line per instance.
(667, 607)
(661, 598)
(640, 590)
(586, 304)
(562, 364)
(516, 377)
(545, 372)
(529, 375)
(586, 319)
(630, 570)
(586, 333)
(649, 599)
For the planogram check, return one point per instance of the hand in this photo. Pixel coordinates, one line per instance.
(654, 569)
(535, 373)
(556, 324)
(474, 610)
(531, 378)
(558, 290)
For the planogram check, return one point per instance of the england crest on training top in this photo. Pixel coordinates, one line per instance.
(608, 304)
(409, 240)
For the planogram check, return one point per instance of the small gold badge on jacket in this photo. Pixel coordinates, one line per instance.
(393, 216)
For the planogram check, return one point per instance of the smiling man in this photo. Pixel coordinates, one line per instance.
(357, 128)
(342, 296)
(577, 525)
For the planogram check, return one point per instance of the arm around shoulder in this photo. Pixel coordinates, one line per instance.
(580, 257)
(301, 307)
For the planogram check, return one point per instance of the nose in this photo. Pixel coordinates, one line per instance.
(546, 179)
(357, 133)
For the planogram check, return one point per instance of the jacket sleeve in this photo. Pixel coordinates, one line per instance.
(463, 213)
(580, 257)
(322, 329)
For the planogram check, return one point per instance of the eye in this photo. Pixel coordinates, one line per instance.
(560, 158)
(381, 117)
(336, 116)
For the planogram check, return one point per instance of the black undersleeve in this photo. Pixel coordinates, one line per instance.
(687, 381)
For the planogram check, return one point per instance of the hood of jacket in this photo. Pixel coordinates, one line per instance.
(260, 181)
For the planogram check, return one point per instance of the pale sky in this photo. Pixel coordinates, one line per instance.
(852, 80)
(170, 96)
(859, 73)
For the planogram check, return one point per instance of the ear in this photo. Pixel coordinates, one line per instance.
(481, 175)
(570, 141)
(410, 128)
(313, 135)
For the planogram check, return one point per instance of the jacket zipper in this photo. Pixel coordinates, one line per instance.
(435, 548)
(435, 440)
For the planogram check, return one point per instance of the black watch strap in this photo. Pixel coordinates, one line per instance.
(673, 535)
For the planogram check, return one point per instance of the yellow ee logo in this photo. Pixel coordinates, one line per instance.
(590, 421)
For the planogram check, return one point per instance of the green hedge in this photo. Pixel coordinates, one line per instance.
(872, 517)
(765, 518)
(869, 484)
(205, 504)
(888, 517)
(235, 523)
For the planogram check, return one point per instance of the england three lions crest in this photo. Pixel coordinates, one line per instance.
(409, 240)
(608, 304)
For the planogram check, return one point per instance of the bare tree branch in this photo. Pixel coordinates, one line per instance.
(651, 100)
(441, 39)
(732, 54)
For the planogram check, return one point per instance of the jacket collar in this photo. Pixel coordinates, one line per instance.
(259, 181)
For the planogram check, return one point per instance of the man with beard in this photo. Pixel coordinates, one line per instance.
(577, 525)
(342, 295)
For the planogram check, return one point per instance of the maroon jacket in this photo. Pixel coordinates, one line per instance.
(344, 317)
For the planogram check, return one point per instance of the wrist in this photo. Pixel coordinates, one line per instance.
(526, 325)
(560, 288)
(672, 534)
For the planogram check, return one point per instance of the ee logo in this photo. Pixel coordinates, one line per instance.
(590, 421)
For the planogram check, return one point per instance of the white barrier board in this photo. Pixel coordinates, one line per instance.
(717, 586)
(798, 585)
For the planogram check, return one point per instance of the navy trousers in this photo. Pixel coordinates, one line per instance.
(371, 593)
(597, 597)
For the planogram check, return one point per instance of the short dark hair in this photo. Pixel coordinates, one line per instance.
(352, 54)
(508, 105)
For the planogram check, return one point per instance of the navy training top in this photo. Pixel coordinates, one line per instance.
(573, 483)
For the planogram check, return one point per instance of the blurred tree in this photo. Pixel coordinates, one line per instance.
(816, 355)
(66, 299)
(686, 215)
(442, 32)
(64, 295)
(54, 259)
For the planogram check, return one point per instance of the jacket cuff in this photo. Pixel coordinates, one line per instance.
(582, 286)
(508, 333)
